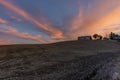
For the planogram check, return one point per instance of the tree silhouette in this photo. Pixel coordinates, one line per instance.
(97, 37)
(100, 37)
(111, 35)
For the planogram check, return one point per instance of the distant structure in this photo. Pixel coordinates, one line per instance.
(84, 38)
(114, 36)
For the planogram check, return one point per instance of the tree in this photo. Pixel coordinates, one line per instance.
(100, 37)
(112, 35)
(95, 36)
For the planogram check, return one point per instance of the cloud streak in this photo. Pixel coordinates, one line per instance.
(22, 35)
(5, 42)
(2, 21)
(97, 16)
(16, 18)
(97, 19)
(48, 28)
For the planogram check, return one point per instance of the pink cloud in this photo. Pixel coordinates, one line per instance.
(16, 18)
(98, 18)
(23, 35)
(5, 41)
(2, 21)
(52, 31)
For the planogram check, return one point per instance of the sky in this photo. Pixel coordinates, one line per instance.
(48, 21)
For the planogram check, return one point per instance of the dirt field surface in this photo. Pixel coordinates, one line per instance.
(70, 60)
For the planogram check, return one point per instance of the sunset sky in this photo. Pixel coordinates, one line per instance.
(46, 21)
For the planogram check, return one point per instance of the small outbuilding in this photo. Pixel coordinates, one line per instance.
(84, 38)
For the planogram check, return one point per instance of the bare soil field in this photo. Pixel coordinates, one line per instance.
(70, 60)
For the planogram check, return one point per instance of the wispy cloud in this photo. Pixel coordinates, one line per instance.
(2, 21)
(96, 19)
(5, 41)
(21, 35)
(98, 16)
(75, 24)
(16, 18)
(48, 28)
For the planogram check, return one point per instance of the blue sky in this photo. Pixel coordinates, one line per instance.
(46, 21)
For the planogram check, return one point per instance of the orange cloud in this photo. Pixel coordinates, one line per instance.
(112, 17)
(97, 19)
(52, 31)
(13, 32)
(77, 22)
(2, 21)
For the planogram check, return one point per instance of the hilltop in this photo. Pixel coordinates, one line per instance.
(86, 47)
(69, 60)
